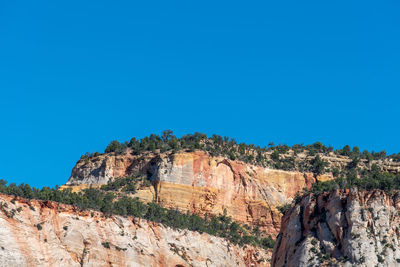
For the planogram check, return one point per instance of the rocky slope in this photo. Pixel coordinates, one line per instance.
(342, 228)
(199, 183)
(38, 233)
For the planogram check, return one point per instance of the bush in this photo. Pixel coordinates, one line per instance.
(284, 208)
(318, 165)
(268, 242)
(126, 184)
(106, 244)
(380, 258)
(116, 147)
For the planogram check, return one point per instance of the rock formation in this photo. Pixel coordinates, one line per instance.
(44, 233)
(199, 183)
(103, 167)
(341, 228)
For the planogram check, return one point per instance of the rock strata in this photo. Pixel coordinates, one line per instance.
(199, 183)
(43, 233)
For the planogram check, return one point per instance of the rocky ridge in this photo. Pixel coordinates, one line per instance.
(103, 167)
(341, 228)
(45, 233)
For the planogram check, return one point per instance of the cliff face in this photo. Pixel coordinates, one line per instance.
(37, 233)
(343, 228)
(202, 184)
(341, 162)
(101, 168)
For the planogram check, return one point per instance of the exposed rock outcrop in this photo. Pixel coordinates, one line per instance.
(99, 169)
(40, 233)
(341, 228)
(199, 183)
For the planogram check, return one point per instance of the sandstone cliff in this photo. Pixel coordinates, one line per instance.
(342, 228)
(199, 183)
(39, 233)
(99, 169)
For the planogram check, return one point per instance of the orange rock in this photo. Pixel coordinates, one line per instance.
(199, 183)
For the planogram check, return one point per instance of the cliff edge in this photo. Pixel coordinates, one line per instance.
(341, 228)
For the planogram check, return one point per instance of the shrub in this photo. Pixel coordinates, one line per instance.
(284, 207)
(106, 244)
(318, 165)
(380, 258)
(268, 242)
(116, 147)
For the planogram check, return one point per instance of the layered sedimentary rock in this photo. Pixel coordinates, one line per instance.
(199, 183)
(99, 169)
(37, 233)
(342, 228)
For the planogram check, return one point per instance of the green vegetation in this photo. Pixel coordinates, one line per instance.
(318, 165)
(362, 179)
(126, 184)
(284, 208)
(274, 156)
(106, 244)
(380, 258)
(4, 209)
(109, 204)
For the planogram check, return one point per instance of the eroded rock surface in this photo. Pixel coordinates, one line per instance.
(37, 233)
(199, 183)
(342, 228)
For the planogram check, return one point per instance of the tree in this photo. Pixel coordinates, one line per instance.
(3, 186)
(366, 155)
(268, 242)
(356, 151)
(346, 151)
(271, 144)
(318, 165)
(134, 144)
(317, 147)
(275, 155)
(107, 204)
(353, 163)
(26, 188)
(115, 146)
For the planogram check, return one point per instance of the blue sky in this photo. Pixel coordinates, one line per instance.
(75, 75)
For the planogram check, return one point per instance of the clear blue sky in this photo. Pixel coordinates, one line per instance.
(75, 75)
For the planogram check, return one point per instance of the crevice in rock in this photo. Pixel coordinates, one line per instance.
(85, 252)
